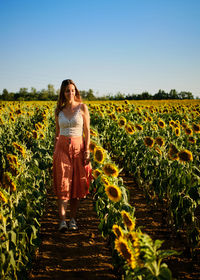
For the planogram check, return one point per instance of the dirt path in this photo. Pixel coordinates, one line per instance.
(153, 223)
(79, 255)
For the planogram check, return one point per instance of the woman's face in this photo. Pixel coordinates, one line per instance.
(70, 92)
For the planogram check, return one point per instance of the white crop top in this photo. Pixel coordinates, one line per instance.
(72, 127)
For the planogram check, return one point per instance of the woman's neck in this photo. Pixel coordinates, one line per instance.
(71, 104)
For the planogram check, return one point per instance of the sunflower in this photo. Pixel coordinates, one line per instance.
(109, 111)
(113, 117)
(176, 125)
(14, 169)
(128, 220)
(154, 127)
(188, 131)
(111, 169)
(196, 128)
(35, 134)
(28, 134)
(8, 181)
(119, 109)
(133, 237)
(19, 148)
(7, 178)
(137, 250)
(184, 125)
(96, 173)
(192, 140)
(18, 112)
(185, 156)
(148, 141)
(126, 102)
(12, 159)
(177, 131)
(41, 135)
(150, 119)
(3, 198)
(133, 262)
(139, 127)
(99, 154)
(122, 122)
(161, 123)
(160, 141)
(105, 180)
(113, 192)
(121, 245)
(117, 231)
(44, 115)
(92, 146)
(38, 126)
(173, 152)
(171, 123)
(13, 164)
(93, 132)
(129, 129)
(173, 148)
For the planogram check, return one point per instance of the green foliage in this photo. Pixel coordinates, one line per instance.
(19, 216)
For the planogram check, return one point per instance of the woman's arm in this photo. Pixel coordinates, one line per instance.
(57, 130)
(86, 129)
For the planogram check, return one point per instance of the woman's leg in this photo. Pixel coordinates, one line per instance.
(62, 207)
(74, 203)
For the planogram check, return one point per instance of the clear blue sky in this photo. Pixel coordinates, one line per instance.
(129, 46)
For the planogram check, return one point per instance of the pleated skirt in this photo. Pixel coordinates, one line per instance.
(71, 178)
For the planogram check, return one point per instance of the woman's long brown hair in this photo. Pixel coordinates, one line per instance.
(61, 99)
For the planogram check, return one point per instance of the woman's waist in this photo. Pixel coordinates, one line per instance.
(70, 139)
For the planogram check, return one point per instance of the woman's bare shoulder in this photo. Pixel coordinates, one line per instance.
(83, 107)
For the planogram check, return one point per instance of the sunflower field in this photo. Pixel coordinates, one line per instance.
(133, 251)
(25, 160)
(157, 143)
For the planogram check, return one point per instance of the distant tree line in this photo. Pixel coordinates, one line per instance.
(51, 94)
(161, 94)
(24, 95)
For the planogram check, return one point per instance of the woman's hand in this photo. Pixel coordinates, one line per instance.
(86, 157)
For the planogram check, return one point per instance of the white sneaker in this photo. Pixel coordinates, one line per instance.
(72, 224)
(63, 226)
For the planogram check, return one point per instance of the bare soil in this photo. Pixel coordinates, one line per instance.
(81, 254)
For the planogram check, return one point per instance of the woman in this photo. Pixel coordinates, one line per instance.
(71, 158)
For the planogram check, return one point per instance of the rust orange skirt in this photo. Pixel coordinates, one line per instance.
(71, 178)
